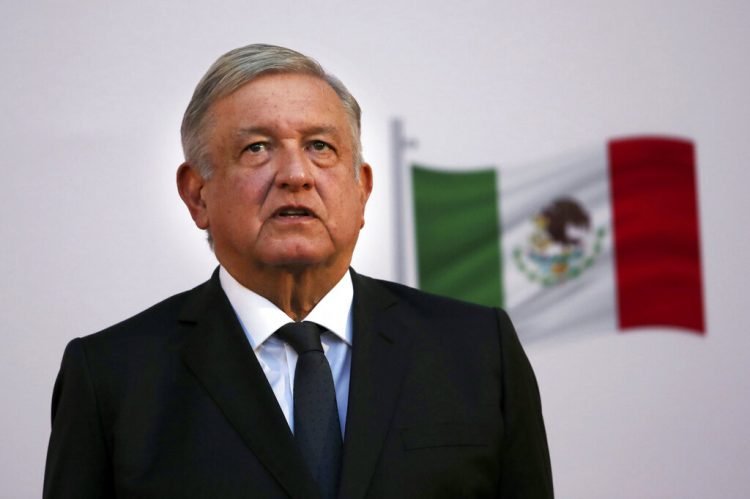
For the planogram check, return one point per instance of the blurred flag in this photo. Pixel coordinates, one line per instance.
(601, 241)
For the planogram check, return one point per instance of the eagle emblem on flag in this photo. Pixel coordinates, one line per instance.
(561, 244)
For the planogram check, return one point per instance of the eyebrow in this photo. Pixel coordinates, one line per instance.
(253, 130)
(313, 130)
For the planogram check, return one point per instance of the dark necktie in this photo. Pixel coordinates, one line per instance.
(316, 418)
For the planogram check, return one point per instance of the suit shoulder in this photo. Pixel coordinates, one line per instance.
(443, 315)
(432, 303)
(156, 321)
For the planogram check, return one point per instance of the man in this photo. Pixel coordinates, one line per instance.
(208, 395)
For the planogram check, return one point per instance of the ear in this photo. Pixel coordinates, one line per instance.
(365, 187)
(190, 184)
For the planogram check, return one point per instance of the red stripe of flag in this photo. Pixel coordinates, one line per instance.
(657, 245)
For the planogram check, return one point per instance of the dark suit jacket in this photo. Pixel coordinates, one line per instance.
(172, 403)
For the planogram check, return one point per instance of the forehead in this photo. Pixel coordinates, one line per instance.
(286, 99)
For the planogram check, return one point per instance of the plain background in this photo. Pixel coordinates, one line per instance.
(92, 93)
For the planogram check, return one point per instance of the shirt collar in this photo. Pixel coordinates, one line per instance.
(260, 318)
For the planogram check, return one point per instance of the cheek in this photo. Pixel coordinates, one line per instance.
(237, 200)
(248, 190)
(345, 205)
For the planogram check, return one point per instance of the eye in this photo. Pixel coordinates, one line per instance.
(256, 147)
(320, 146)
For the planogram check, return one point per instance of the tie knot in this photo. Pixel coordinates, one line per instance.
(302, 336)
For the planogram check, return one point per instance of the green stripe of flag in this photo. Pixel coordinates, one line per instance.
(457, 231)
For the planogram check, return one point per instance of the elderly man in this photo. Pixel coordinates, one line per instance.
(288, 374)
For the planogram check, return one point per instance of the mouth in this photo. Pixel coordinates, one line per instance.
(292, 212)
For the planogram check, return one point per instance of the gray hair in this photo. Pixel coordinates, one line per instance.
(239, 67)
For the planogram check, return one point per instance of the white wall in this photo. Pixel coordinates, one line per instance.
(92, 94)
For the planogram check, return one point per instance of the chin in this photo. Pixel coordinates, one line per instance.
(296, 258)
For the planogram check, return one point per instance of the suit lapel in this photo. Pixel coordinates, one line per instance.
(381, 349)
(218, 353)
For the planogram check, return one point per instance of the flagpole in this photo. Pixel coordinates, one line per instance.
(399, 144)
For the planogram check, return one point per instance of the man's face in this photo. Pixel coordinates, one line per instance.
(283, 190)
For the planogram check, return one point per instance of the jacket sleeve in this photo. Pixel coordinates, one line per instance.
(525, 464)
(78, 462)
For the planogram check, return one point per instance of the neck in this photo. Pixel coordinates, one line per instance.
(295, 291)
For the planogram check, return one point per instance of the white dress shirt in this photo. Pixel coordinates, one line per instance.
(260, 319)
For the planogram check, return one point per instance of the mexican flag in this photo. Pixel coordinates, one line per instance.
(603, 240)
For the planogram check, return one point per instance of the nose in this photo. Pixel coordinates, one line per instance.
(294, 170)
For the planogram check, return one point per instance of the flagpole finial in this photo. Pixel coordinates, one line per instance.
(400, 141)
